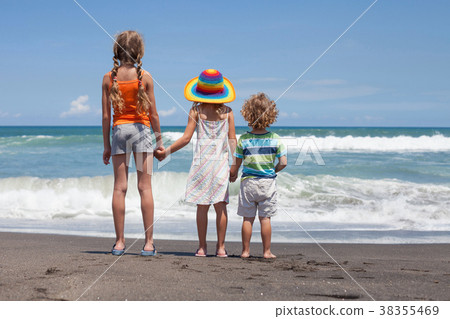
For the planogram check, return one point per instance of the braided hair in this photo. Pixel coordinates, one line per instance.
(144, 103)
(114, 93)
(128, 48)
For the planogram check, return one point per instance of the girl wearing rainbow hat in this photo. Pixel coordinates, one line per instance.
(208, 177)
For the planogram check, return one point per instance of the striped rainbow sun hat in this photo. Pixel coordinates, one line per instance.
(210, 87)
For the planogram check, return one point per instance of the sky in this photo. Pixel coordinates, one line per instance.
(391, 68)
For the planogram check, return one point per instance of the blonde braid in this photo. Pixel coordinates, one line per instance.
(143, 103)
(115, 94)
(220, 109)
(195, 106)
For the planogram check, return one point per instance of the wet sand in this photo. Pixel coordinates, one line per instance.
(55, 267)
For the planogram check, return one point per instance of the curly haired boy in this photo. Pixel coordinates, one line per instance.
(258, 149)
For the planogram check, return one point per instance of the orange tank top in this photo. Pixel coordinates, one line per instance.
(129, 90)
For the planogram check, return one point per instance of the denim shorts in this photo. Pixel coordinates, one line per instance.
(134, 137)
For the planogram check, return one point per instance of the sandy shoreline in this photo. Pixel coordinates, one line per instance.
(55, 267)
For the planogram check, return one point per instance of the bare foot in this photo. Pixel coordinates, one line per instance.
(245, 254)
(269, 255)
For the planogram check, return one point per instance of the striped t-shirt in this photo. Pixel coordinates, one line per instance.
(259, 152)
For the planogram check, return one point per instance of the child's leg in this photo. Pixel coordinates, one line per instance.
(247, 225)
(202, 225)
(266, 236)
(221, 226)
(144, 171)
(118, 200)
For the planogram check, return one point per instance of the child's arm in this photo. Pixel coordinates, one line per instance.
(187, 135)
(154, 117)
(238, 156)
(231, 133)
(282, 163)
(234, 169)
(106, 119)
(281, 155)
(232, 142)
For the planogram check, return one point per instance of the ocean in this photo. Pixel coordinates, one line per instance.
(342, 184)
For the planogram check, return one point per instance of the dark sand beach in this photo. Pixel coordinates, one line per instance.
(54, 267)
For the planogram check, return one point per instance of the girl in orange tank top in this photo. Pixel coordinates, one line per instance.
(128, 90)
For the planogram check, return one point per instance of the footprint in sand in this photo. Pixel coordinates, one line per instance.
(336, 277)
(337, 296)
(51, 270)
(415, 270)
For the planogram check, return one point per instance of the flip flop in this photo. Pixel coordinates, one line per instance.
(117, 252)
(199, 255)
(222, 256)
(148, 252)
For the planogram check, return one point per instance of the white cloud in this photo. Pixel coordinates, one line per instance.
(373, 118)
(165, 113)
(79, 106)
(291, 115)
(439, 93)
(6, 114)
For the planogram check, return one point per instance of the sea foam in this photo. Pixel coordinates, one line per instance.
(331, 202)
(399, 143)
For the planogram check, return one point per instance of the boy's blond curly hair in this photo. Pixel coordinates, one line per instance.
(259, 111)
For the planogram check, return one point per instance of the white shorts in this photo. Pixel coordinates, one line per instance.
(258, 194)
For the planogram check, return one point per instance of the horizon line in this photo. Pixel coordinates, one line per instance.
(244, 126)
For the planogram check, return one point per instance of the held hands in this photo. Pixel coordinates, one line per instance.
(160, 153)
(233, 177)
